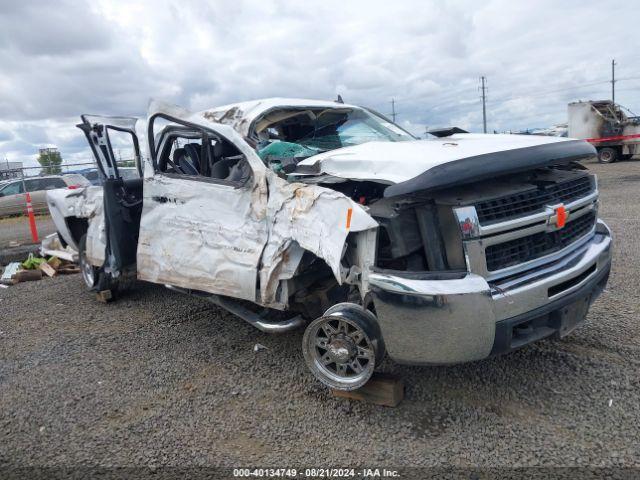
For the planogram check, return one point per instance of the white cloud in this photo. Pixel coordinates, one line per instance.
(61, 59)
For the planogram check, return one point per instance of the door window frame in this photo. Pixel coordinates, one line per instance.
(208, 134)
(107, 153)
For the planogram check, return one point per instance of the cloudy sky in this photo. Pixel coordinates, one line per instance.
(59, 59)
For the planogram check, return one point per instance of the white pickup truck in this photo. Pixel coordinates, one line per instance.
(297, 212)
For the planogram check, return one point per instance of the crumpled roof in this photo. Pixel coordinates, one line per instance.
(241, 115)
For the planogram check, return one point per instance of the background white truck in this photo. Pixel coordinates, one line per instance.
(605, 125)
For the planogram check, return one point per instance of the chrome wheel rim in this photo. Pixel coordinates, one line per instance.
(87, 271)
(339, 352)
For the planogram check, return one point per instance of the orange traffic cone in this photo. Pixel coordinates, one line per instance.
(32, 219)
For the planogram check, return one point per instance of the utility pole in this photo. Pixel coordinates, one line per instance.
(483, 88)
(393, 110)
(613, 80)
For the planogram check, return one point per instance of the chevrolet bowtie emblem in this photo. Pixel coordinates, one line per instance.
(559, 216)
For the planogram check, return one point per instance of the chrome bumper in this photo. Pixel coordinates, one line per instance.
(436, 319)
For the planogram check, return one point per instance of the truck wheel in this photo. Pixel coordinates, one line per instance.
(90, 274)
(96, 279)
(343, 347)
(607, 155)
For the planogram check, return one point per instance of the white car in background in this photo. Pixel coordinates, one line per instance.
(13, 198)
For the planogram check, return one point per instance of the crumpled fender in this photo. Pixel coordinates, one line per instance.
(314, 218)
(81, 203)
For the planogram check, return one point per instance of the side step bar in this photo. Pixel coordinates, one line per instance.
(244, 313)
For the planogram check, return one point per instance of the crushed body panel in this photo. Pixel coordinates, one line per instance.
(250, 232)
(81, 203)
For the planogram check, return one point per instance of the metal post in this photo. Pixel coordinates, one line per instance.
(484, 104)
(613, 80)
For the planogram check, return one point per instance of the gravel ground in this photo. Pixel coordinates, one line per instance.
(16, 229)
(158, 378)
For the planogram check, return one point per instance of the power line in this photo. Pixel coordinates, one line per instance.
(559, 90)
(450, 98)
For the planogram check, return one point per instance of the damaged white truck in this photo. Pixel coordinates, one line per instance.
(296, 212)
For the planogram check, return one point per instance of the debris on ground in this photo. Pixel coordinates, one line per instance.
(27, 276)
(104, 296)
(258, 346)
(68, 268)
(48, 270)
(51, 245)
(33, 269)
(9, 271)
(32, 262)
(382, 389)
(55, 262)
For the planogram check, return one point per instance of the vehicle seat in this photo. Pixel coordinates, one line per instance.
(221, 165)
(190, 161)
(239, 172)
(222, 168)
(178, 154)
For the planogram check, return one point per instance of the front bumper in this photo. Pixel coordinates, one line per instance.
(430, 318)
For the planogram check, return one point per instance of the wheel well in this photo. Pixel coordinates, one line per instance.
(77, 228)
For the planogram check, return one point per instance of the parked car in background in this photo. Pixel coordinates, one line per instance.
(96, 178)
(91, 174)
(12, 193)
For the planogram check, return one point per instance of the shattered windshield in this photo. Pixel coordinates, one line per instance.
(288, 136)
(338, 128)
(319, 130)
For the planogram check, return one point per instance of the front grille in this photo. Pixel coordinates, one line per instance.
(532, 201)
(538, 245)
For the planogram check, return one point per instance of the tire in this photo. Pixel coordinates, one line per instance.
(343, 347)
(607, 155)
(96, 279)
(90, 274)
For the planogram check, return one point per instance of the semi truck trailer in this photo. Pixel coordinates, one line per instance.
(604, 124)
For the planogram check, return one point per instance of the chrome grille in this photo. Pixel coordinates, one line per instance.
(532, 201)
(531, 247)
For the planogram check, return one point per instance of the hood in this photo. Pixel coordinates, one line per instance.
(442, 162)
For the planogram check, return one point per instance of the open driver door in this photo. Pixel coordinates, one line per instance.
(122, 198)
